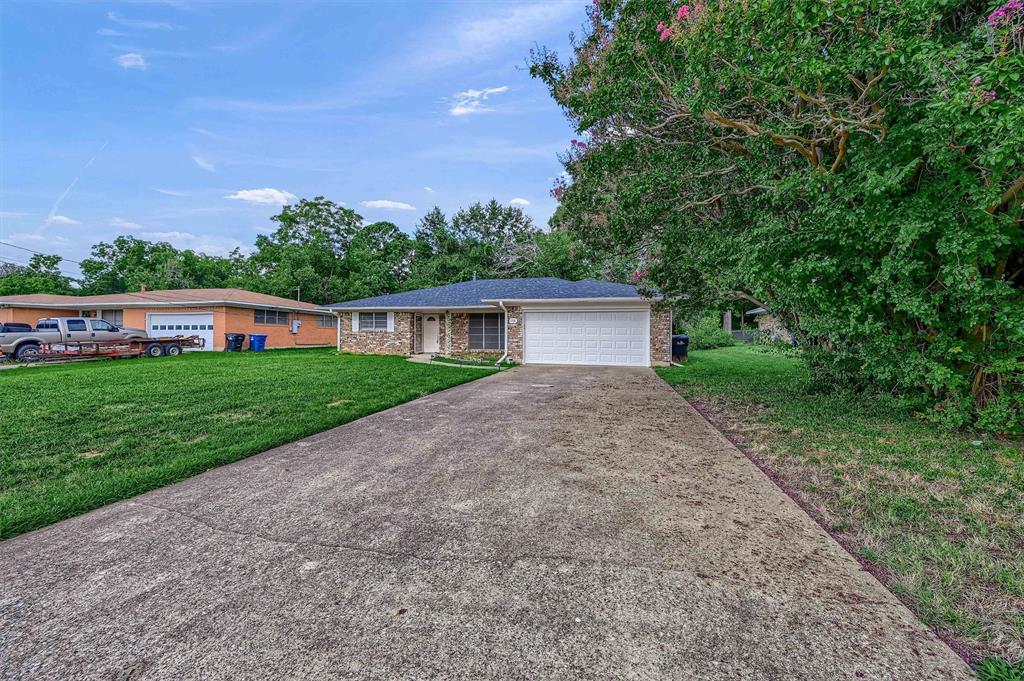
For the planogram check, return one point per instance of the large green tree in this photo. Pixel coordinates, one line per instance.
(129, 263)
(41, 275)
(855, 166)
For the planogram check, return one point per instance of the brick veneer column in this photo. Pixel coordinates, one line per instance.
(661, 336)
(515, 333)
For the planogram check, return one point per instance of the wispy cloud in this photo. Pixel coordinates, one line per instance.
(169, 192)
(266, 196)
(121, 223)
(24, 236)
(472, 101)
(428, 190)
(204, 164)
(506, 25)
(140, 24)
(519, 202)
(112, 33)
(168, 235)
(131, 60)
(387, 204)
(61, 220)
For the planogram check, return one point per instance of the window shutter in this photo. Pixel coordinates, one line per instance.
(355, 320)
(391, 321)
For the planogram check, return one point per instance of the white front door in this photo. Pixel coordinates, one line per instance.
(431, 333)
(163, 325)
(603, 337)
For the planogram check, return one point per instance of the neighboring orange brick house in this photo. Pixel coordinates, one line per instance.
(209, 313)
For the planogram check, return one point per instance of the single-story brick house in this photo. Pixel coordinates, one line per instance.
(209, 313)
(534, 321)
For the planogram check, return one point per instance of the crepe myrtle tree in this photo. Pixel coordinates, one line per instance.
(854, 166)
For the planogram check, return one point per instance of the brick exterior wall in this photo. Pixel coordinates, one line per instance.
(397, 342)
(661, 336)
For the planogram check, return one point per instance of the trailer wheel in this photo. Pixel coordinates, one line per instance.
(27, 352)
(154, 350)
(173, 350)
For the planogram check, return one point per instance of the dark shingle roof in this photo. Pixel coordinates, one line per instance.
(473, 293)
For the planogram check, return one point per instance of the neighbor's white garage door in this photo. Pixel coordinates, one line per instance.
(192, 324)
(610, 337)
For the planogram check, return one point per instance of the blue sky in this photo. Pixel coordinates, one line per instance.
(191, 122)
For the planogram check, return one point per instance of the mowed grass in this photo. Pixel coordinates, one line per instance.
(75, 437)
(941, 513)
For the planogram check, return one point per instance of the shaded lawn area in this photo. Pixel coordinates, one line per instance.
(941, 515)
(75, 437)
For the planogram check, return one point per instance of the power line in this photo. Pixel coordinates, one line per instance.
(5, 243)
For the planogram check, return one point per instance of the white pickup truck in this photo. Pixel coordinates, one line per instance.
(25, 344)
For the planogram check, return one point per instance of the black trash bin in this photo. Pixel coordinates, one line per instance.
(680, 347)
(233, 342)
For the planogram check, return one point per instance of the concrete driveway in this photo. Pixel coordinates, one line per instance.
(552, 523)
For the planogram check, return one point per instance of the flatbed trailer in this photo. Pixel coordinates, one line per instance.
(113, 349)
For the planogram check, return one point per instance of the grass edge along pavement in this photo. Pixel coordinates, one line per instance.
(75, 437)
(939, 517)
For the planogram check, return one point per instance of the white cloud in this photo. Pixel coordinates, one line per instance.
(204, 164)
(388, 205)
(472, 101)
(131, 60)
(13, 214)
(140, 23)
(62, 220)
(168, 192)
(428, 190)
(113, 33)
(121, 223)
(266, 196)
(518, 202)
(178, 236)
(26, 237)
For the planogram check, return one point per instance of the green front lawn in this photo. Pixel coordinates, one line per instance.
(75, 437)
(942, 514)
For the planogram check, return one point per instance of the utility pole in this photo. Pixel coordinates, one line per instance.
(298, 293)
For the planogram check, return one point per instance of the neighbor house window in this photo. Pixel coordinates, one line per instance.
(373, 321)
(487, 331)
(325, 321)
(115, 317)
(271, 317)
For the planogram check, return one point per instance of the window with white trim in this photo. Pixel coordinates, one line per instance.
(325, 321)
(270, 317)
(487, 331)
(373, 321)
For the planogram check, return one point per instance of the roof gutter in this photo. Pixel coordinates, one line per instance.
(85, 305)
(618, 299)
(504, 315)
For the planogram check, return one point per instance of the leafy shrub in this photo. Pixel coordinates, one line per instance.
(706, 334)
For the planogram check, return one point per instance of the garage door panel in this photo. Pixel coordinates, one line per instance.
(164, 325)
(601, 337)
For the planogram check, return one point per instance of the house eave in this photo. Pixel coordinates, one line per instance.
(85, 305)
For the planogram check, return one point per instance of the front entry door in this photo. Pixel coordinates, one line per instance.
(431, 331)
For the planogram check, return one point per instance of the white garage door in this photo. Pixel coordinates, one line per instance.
(609, 337)
(193, 324)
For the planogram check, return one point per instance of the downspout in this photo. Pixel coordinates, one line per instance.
(504, 315)
(337, 316)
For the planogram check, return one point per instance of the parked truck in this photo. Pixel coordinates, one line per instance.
(25, 345)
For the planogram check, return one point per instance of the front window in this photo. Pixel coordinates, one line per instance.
(115, 317)
(373, 321)
(487, 331)
(100, 325)
(76, 325)
(325, 321)
(271, 317)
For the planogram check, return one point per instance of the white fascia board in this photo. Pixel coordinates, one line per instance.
(411, 308)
